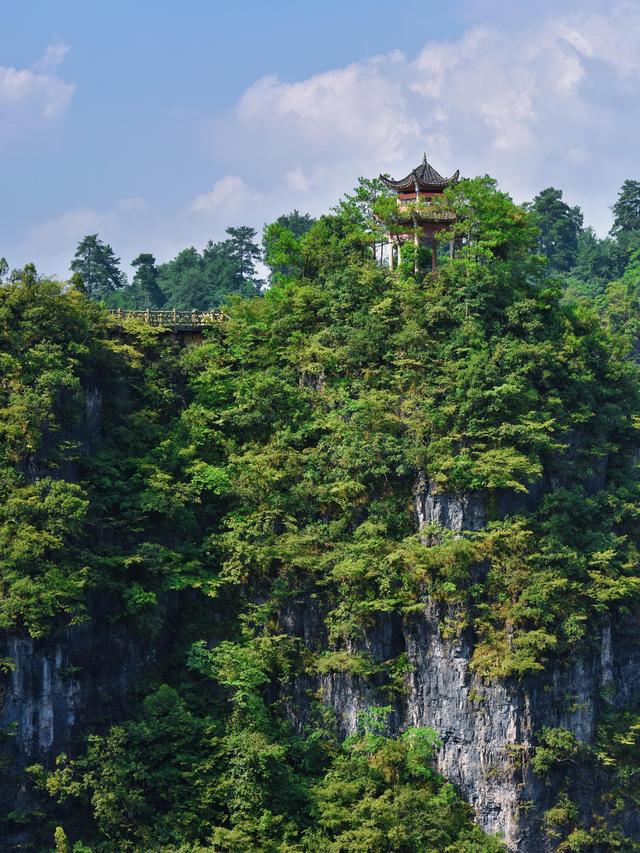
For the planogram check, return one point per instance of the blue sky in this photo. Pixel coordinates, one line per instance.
(158, 124)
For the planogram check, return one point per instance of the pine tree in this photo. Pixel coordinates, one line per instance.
(559, 225)
(626, 210)
(202, 281)
(145, 282)
(95, 261)
(243, 252)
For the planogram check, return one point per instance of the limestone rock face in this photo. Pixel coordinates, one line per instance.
(487, 728)
(454, 511)
(58, 691)
(460, 511)
(80, 680)
(61, 690)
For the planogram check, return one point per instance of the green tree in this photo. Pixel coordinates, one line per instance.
(626, 223)
(274, 468)
(182, 281)
(359, 206)
(488, 224)
(598, 261)
(559, 226)
(620, 306)
(145, 281)
(95, 261)
(224, 269)
(281, 243)
(243, 253)
(77, 283)
(298, 223)
(626, 210)
(381, 794)
(173, 777)
(25, 275)
(61, 841)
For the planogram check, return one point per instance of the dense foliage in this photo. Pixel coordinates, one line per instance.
(559, 228)
(279, 242)
(613, 761)
(98, 268)
(175, 780)
(274, 466)
(145, 291)
(586, 262)
(194, 280)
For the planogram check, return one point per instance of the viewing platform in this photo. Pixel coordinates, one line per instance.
(174, 320)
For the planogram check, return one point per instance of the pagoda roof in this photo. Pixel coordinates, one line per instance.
(425, 176)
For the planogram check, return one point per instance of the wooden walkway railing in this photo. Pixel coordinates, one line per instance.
(172, 319)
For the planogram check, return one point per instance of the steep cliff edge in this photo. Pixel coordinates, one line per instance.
(62, 689)
(489, 728)
(480, 622)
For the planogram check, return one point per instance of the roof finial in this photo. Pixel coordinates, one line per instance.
(424, 158)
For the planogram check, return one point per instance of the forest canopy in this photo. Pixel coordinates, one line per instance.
(277, 465)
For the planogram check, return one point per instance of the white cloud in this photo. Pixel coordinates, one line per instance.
(346, 105)
(231, 192)
(53, 56)
(549, 96)
(297, 181)
(132, 226)
(35, 95)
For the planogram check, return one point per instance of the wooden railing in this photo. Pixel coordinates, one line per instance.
(172, 319)
(429, 212)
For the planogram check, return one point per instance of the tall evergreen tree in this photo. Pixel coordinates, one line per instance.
(357, 207)
(243, 252)
(183, 281)
(298, 223)
(145, 282)
(626, 210)
(598, 262)
(95, 261)
(202, 281)
(559, 225)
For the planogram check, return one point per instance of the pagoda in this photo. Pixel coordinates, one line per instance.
(419, 218)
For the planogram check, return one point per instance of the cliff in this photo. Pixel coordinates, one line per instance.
(57, 691)
(489, 728)
(217, 567)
